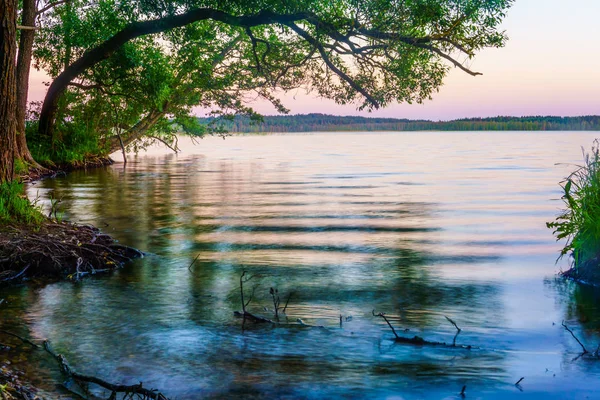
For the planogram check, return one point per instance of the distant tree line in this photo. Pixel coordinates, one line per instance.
(323, 122)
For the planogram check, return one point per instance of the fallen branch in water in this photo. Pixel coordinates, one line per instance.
(458, 330)
(252, 317)
(128, 390)
(22, 339)
(276, 301)
(193, 262)
(287, 301)
(12, 278)
(575, 337)
(245, 314)
(519, 381)
(418, 340)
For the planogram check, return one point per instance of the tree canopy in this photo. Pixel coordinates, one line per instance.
(127, 69)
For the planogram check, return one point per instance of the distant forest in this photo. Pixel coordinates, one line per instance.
(323, 122)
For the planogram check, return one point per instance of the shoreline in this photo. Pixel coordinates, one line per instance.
(50, 252)
(56, 250)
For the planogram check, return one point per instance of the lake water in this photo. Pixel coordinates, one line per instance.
(417, 225)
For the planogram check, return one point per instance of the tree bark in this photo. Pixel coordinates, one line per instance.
(23, 69)
(8, 100)
(137, 131)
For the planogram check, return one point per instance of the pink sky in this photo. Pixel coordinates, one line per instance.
(550, 66)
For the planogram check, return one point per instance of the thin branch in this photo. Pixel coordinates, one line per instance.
(114, 388)
(575, 337)
(193, 262)
(288, 300)
(27, 28)
(174, 149)
(458, 330)
(51, 5)
(22, 339)
(301, 32)
(254, 45)
(382, 315)
(12, 278)
(519, 381)
(447, 57)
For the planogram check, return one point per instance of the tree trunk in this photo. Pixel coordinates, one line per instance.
(23, 68)
(137, 131)
(8, 100)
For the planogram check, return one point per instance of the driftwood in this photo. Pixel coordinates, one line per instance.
(418, 340)
(128, 390)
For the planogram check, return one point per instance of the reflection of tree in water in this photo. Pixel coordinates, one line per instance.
(163, 209)
(581, 304)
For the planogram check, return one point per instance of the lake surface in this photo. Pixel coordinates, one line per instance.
(417, 225)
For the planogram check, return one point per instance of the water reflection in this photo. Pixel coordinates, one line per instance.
(392, 236)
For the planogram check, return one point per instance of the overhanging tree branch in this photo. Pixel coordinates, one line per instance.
(135, 30)
(340, 33)
(305, 35)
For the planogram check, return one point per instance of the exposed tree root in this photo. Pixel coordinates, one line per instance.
(128, 390)
(58, 250)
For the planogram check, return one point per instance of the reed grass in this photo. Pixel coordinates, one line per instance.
(579, 222)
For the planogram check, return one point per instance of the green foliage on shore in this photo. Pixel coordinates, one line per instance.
(322, 122)
(73, 146)
(579, 223)
(15, 207)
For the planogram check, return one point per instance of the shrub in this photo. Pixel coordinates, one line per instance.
(579, 223)
(15, 207)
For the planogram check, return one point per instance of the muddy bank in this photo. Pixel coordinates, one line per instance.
(587, 272)
(51, 171)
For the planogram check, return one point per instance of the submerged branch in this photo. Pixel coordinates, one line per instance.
(129, 390)
(575, 337)
(22, 339)
(418, 340)
(458, 330)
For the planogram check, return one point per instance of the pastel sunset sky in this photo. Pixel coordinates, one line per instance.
(550, 66)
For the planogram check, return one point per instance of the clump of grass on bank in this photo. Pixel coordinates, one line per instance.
(15, 207)
(579, 223)
(73, 146)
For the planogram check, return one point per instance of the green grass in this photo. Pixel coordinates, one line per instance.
(579, 223)
(71, 146)
(15, 207)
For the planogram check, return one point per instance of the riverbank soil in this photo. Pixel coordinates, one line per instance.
(587, 272)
